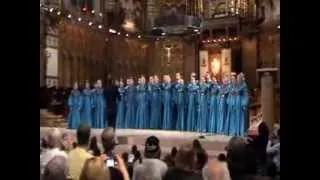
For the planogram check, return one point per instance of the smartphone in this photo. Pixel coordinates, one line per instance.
(110, 162)
(130, 158)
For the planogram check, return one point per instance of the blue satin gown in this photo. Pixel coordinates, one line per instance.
(87, 105)
(100, 109)
(142, 106)
(203, 108)
(155, 107)
(213, 108)
(75, 105)
(231, 124)
(242, 108)
(120, 119)
(222, 108)
(167, 106)
(180, 105)
(130, 109)
(192, 115)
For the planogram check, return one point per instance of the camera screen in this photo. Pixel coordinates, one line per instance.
(110, 163)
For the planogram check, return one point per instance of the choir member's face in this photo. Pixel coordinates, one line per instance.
(143, 80)
(168, 78)
(193, 80)
(233, 79)
(202, 79)
(164, 78)
(99, 83)
(178, 76)
(87, 85)
(156, 79)
(75, 85)
(151, 80)
(214, 80)
(128, 81)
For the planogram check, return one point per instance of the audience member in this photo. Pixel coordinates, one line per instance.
(108, 143)
(169, 159)
(67, 142)
(217, 169)
(56, 169)
(273, 151)
(94, 169)
(152, 168)
(240, 159)
(137, 155)
(93, 147)
(202, 156)
(43, 144)
(80, 154)
(185, 165)
(53, 150)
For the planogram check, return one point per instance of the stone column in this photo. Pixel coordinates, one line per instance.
(268, 96)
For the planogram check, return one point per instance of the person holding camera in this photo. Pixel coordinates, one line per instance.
(113, 162)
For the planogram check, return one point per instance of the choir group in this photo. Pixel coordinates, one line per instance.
(205, 106)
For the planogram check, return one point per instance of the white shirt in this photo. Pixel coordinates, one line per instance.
(49, 154)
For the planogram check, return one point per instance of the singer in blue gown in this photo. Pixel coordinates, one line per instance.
(87, 104)
(75, 105)
(222, 107)
(142, 105)
(167, 105)
(100, 108)
(180, 103)
(231, 124)
(192, 103)
(130, 117)
(203, 106)
(120, 118)
(213, 106)
(242, 105)
(155, 105)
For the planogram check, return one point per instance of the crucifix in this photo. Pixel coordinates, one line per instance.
(168, 47)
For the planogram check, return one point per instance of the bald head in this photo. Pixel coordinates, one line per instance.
(56, 169)
(54, 138)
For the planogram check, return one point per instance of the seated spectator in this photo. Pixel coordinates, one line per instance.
(93, 147)
(67, 142)
(217, 169)
(53, 150)
(56, 169)
(273, 151)
(43, 144)
(94, 169)
(119, 171)
(185, 165)
(202, 156)
(152, 168)
(169, 159)
(240, 159)
(80, 154)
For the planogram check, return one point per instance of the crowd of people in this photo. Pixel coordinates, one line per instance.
(204, 105)
(63, 156)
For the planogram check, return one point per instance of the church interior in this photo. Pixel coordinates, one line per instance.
(86, 40)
